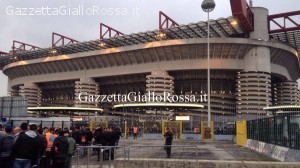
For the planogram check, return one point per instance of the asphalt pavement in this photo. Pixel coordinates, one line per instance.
(140, 149)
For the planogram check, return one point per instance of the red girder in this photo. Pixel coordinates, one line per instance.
(282, 26)
(61, 40)
(243, 14)
(111, 32)
(20, 46)
(3, 53)
(165, 21)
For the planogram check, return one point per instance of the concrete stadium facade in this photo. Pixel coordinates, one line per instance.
(247, 73)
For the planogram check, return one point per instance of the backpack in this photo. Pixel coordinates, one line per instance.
(6, 145)
(72, 146)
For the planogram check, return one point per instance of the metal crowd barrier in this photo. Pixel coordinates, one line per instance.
(191, 155)
(86, 157)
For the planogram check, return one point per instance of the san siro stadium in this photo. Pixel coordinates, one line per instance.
(252, 66)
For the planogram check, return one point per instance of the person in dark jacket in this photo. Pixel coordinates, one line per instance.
(60, 150)
(6, 145)
(89, 135)
(23, 127)
(83, 141)
(26, 149)
(43, 144)
(169, 138)
(100, 139)
(75, 134)
(112, 138)
(118, 135)
(72, 148)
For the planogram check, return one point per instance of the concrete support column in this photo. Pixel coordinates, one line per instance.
(286, 93)
(10, 90)
(13, 92)
(298, 91)
(33, 94)
(88, 89)
(261, 29)
(159, 82)
(258, 58)
(253, 92)
(253, 84)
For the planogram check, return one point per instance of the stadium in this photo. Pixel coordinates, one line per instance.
(254, 63)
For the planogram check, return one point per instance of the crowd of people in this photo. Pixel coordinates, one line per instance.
(134, 132)
(30, 146)
(224, 131)
(99, 136)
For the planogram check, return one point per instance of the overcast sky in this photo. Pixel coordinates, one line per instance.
(127, 16)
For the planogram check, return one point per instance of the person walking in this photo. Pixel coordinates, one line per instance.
(168, 141)
(26, 149)
(6, 145)
(72, 148)
(111, 142)
(1, 130)
(135, 132)
(75, 134)
(83, 141)
(50, 137)
(118, 135)
(89, 135)
(20, 130)
(16, 132)
(101, 140)
(43, 143)
(59, 150)
(130, 131)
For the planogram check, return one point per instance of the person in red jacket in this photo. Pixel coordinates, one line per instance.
(135, 132)
(50, 137)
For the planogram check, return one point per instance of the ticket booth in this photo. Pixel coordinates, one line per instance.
(207, 133)
(175, 127)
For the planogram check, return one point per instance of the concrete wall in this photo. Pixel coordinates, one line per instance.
(175, 163)
(277, 152)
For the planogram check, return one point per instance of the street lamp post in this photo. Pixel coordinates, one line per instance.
(208, 6)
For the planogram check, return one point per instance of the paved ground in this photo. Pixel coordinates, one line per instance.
(181, 150)
(215, 150)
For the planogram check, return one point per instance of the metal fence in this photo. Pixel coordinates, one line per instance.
(96, 156)
(119, 156)
(13, 107)
(41, 123)
(191, 155)
(281, 129)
